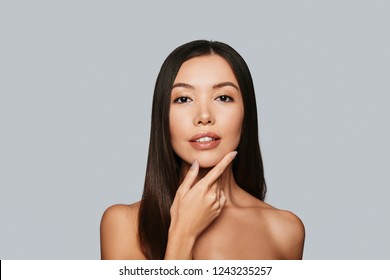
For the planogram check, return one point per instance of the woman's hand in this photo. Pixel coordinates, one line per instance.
(195, 207)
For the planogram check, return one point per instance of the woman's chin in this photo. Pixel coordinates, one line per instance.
(207, 166)
(205, 160)
(209, 162)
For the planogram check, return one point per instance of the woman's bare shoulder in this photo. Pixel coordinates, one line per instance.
(122, 211)
(287, 230)
(118, 232)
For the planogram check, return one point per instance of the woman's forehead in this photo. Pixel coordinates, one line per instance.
(205, 70)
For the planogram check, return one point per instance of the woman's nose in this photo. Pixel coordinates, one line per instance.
(203, 115)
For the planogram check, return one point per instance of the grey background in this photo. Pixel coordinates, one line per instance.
(76, 87)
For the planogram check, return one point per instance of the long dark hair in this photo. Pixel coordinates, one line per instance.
(162, 171)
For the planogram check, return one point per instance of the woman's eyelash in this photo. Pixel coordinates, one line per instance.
(186, 99)
(181, 99)
(225, 98)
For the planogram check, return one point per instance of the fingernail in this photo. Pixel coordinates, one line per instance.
(233, 154)
(194, 164)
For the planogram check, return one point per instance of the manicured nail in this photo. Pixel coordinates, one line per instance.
(194, 164)
(233, 154)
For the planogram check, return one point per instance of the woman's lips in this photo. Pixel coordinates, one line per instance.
(205, 145)
(201, 141)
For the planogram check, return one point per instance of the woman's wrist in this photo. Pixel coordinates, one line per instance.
(179, 246)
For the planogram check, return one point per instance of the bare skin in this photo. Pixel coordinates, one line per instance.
(217, 220)
(211, 216)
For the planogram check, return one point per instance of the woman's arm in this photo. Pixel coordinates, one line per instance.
(289, 232)
(118, 233)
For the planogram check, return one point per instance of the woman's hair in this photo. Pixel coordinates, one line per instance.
(163, 165)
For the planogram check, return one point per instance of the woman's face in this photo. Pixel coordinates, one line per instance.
(206, 111)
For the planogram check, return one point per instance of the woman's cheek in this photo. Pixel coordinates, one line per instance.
(232, 122)
(178, 126)
(178, 121)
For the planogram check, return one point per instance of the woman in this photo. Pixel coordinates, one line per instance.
(204, 187)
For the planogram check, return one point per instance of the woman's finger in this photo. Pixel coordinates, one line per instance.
(190, 177)
(217, 171)
(214, 187)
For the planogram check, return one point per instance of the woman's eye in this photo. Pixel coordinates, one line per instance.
(225, 98)
(182, 99)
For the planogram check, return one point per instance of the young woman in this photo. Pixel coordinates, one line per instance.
(204, 186)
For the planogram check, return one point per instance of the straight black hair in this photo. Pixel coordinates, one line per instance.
(163, 165)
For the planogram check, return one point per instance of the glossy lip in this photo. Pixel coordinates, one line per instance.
(205, 145)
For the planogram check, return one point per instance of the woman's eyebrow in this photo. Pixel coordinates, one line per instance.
(184, 85)
(219, 85)
(225, 84)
